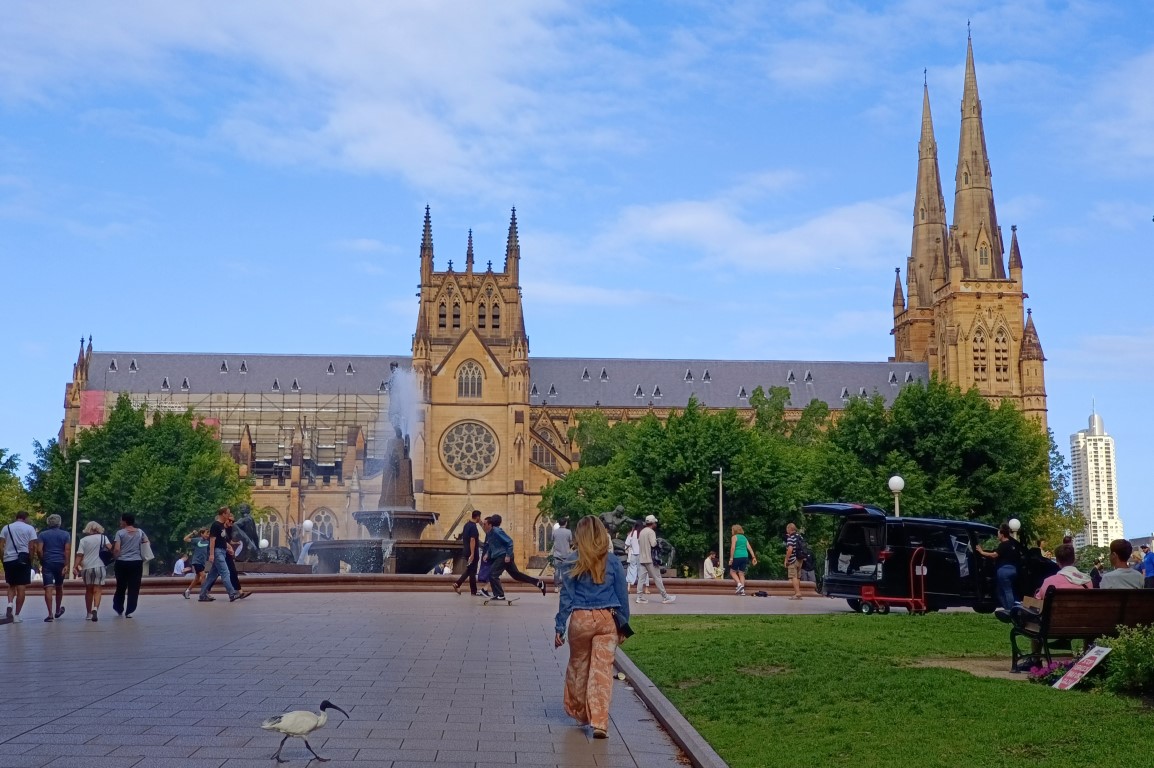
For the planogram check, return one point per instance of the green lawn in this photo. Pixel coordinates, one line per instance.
(812, 691)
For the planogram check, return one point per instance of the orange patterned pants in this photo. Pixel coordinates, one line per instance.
(589, 676)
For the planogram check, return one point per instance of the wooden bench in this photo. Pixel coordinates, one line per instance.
(1082, 614)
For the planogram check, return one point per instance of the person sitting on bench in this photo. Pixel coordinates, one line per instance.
(1067, 577)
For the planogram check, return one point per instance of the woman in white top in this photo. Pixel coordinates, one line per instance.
(91, 567)
(634, 574)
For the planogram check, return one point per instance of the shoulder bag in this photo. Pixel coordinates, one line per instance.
(24, 558)
(106, 556)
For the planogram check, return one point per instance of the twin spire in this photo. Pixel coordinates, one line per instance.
(973, 242)
(512, 249)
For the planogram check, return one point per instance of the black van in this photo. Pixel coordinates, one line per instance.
(873, 548)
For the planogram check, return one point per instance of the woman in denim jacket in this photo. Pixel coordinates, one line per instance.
(594, 603)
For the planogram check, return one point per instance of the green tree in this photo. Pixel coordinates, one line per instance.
(13, 497)
(169, 471)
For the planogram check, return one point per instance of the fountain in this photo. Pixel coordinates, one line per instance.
(395, 527)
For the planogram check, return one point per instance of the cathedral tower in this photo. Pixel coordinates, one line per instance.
(471, 364)
(963, 312)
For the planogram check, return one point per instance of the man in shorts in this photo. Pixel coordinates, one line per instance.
(19, 546)
(199, 559)
(55, 546)
(792, 563)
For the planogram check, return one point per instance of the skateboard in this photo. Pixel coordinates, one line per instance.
(509, 600)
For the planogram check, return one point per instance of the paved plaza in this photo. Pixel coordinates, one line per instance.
(426, 679)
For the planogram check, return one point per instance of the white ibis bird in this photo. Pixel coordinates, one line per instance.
(300, 724)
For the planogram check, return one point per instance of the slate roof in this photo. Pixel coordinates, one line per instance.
(204, 373)
(587, 382)
(555, 381)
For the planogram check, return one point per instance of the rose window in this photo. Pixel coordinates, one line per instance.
(469, 449)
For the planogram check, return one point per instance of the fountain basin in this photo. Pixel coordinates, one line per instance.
(381, 555)
(399, 523)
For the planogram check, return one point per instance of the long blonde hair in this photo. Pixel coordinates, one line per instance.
(591, 541)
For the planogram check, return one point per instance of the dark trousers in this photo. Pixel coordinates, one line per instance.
(232, 573)
(512, 569)
(1149, 582)
(470, 574)
(128, 575)
(495, 571)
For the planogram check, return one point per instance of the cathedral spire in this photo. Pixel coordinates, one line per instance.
(1031, 344)
(975, 218)
(513, 250)
(1015, 254)
(899, 299)
(469, 254)
(427, 248)
(928, 250)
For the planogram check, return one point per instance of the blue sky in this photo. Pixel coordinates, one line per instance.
(692, 179)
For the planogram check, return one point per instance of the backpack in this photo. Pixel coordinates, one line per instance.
(804, 554)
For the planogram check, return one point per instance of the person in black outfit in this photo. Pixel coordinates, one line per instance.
(471, 544)
(1007, 557)
(509, 566)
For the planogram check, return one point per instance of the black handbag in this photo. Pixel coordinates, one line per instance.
(623, 627)
(106, 555)
(24, 558)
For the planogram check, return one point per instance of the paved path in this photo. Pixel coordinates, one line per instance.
(426, 678)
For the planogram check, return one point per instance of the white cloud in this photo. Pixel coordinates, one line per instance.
(554, 292)
(1121, 214)
(1123, 357)
(860, 235)
(1121, 117)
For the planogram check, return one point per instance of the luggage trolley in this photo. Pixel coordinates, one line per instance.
(871, 601)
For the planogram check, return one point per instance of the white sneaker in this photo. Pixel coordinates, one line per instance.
(669, 599)
(642, 600)
(16, 619)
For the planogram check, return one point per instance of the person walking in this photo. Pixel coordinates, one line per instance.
(594, 603)
(562, 546)
(634, 575)
(91, 568)
(199, 541)
(233, 549)
(471, 548)
(1148, 566)
(648, 541)
(740, 556)
(19, 546)
(55, 548)
(129, 565)
(218, 559)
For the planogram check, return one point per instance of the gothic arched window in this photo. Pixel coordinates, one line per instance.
(324, 526)
(270, 530)
(481, 315)
(441, 313)
(923, 214)
(496, 317)
(456, 316)
(984, 255)
(980, 372)
(469, 380)
(1001, 356)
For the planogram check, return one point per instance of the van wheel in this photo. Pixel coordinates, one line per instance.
(854, 604)
(985, 608)
(883, 608)
(867, 608)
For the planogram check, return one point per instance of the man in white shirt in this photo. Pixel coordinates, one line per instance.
(19, 546)
(648, 541)
(181, 567)
(710, 569)
(562, 546)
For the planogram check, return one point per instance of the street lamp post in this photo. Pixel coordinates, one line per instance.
(720, 525)
(897, 485)
(75, 509)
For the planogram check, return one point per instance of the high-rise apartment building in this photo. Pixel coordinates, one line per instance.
(1095, 484)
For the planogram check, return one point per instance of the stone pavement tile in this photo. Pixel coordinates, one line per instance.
(151, 751)
(184, 762)
(389, 755)
(94, 762)
(25, 761)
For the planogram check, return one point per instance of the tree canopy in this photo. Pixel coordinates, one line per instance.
(960, 456)
(168, 471)
(13, 498)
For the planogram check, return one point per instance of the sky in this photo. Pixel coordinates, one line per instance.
(694, 178)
